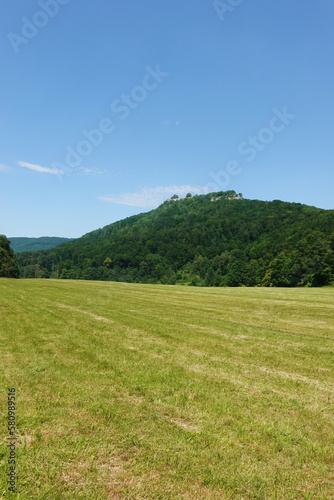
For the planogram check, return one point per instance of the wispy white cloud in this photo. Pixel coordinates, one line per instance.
(4, 168)
(152, 197)
(91, 171)
(38, 168)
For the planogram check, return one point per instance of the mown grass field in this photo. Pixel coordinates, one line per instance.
(131, 391)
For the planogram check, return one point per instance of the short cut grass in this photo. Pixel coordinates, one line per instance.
(130, 391)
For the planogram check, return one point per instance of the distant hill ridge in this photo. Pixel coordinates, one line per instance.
(36, 244)
(218, 239)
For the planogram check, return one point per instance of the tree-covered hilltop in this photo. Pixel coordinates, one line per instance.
(8, 264)
(219, 239)
(22, 244)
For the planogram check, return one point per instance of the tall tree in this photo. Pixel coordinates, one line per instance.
(8, 264)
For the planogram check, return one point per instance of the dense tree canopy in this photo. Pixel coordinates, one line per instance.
(8, 264)
(217, 239)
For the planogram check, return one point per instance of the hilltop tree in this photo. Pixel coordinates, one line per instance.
(8, 264)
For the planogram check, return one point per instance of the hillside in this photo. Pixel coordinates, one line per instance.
(20, 245)
(210, 240)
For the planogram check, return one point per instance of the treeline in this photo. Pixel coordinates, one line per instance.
(209, 240)
(8, 265)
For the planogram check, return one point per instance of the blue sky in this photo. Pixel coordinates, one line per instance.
(108, 108)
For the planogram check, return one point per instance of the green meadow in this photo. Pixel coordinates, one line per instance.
(130, 391)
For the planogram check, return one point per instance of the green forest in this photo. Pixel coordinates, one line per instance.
(218, 239)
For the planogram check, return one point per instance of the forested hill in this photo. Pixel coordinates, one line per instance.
(209, 240)
(36, 244)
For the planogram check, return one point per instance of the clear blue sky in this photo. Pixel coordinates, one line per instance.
(188, 96)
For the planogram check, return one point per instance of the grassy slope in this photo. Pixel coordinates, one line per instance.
(139, 391)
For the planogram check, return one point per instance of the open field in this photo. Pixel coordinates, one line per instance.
(165, 392)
